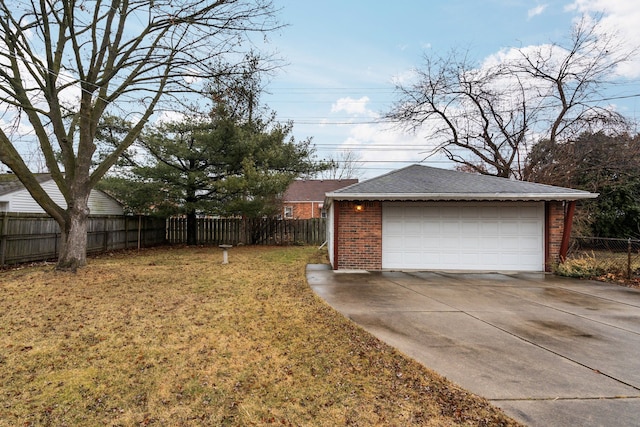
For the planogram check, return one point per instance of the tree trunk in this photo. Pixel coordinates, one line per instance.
(192, 228)
(73, 248)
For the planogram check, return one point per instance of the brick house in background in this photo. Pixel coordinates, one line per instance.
(304, 199)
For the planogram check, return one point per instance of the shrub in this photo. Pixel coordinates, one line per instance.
(585, 266)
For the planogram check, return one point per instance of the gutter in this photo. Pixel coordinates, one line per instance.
(572, 196)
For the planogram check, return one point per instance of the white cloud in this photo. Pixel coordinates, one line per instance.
(538, 10)
(168, 116)
(382, 149)
(621, 18)
(404, 77)
(351, 106)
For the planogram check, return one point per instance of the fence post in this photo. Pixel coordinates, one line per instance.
(105, 238)
(629, 259)
(139, 230)
(3, 238)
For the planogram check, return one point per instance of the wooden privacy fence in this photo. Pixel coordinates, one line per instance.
(36, 237)
(260, 231)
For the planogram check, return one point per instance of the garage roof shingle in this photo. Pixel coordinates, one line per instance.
(418, 182)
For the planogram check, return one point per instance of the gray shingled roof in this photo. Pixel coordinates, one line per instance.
(419, 182)
(9, 182)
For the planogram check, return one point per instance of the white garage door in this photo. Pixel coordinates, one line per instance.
(463, 236)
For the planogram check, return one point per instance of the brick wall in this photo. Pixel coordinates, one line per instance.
(304, 210)
(359, 236)
(555, 228)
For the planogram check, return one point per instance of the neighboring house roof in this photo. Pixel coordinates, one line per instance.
(313, 190)
(424, 183)
(14, 197)
(9, 182)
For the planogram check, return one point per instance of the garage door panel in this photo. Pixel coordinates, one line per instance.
(413, 228)
(471, 244)
(489, 228)
(488, 258)
(450, 212)
(463, 236)
(509, 259)
(471, 259)
(414, 259)
(395, 258)
(450, 228)
(470, 227)
(489, 212)
(410, 210)
(510, 243)
(449, 245)
(449, 258)
(528, 212)
(530, 245)
(431, 227)
(394, 242)
(530, 227)
(529, 258)
(431, 242)
(509, 228)
(413, 242)
(394, 227)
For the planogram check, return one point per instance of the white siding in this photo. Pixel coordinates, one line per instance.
(21, 201)
(101, 204)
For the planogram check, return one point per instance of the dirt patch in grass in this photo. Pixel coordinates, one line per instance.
(171, 336)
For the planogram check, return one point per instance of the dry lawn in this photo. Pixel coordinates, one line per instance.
(171, 337)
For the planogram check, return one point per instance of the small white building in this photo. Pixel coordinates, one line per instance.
(14, 197)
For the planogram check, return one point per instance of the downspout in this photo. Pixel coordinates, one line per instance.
(336, 217)
(547, 238)
(566, 232)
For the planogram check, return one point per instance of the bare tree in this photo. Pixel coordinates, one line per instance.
(486, 118)
(574, 76)
(475, 118)
(66, 63)
(345, 165)
(571, 80)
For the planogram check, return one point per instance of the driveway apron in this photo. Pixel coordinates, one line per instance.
(549, 351)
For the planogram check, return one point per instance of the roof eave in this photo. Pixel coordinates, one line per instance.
(463, 196)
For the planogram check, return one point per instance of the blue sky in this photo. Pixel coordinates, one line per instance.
(343, 56)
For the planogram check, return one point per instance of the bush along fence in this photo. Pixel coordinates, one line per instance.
(594, 256)
(254, 231)
(36, 237)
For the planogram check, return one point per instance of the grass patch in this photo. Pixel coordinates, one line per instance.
(172, 337)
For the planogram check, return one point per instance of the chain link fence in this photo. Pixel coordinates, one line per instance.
(619, 257)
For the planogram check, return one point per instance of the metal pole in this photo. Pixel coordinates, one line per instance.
(629, 258)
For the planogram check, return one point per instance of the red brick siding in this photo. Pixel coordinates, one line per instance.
(554, 231)
(359, 236)
(304, 210)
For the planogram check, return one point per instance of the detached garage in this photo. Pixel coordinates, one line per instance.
(423, 218)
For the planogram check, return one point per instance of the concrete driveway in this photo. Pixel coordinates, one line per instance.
(549, 351)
